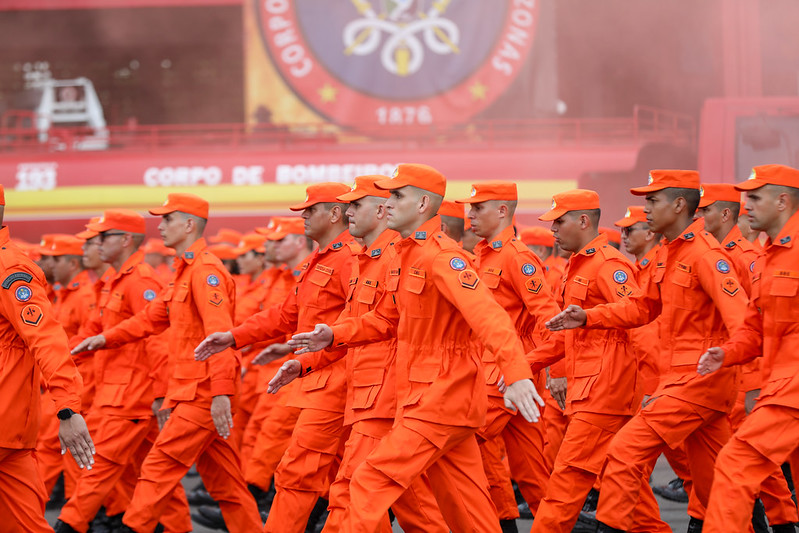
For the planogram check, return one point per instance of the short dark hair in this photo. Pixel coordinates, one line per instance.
(343, 206)
(592, 214)
(734, 207)
(691, 197)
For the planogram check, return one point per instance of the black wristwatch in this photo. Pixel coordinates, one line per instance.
(65, 414)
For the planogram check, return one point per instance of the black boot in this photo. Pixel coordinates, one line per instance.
(695, 525)
(759, 523)
(603, 528)
(63, 527)
(210, 516)
(508, 525)
(318, 515)
(262, 498)
(524, 511)
(783, 528)
(591, 501)
(673, 490)
(199, 496)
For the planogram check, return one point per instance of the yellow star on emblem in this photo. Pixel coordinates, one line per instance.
(328, 93)
(478, 91)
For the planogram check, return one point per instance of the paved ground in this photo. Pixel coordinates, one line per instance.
(673, 513)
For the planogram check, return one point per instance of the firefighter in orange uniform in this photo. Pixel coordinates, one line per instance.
(131, 379)
(766, 437)
(516, 278)
(309, 464)
(697, 295)
(431, 295)
(201, 396)
(603, 387)
(34, 350)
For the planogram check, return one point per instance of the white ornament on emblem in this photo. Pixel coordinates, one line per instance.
(650, 180)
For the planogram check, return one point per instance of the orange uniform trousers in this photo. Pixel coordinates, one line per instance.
(555, 422)
(181, 443)
(416, 508)
(580, 460)
(751, 456)
(271, 440)
(524, 446)
(22, 495)
(307, 469)
(262, 406)
(452, 463)
(120, 444)
(665, 422)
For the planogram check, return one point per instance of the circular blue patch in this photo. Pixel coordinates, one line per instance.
(456, 263)
(752, 266)
(212, 280)
(149, 295)
(620, 276)
(722, 266)
(528, 269)
(23, 293)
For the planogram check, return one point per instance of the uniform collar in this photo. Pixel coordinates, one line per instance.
(5, 237)
(496, 244)
(81, 278)
(733, 237)
(425, 231)
(648, 257)
(788, 233)
(593, 247)
(191, 253)
(383, 241)
(343, 239)
(130, 263)
(694, 229)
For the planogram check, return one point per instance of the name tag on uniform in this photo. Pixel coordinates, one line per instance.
(683, 267)
(370, 283)
(581, 280)
(416, 272)
(786, 274)
(326, 270)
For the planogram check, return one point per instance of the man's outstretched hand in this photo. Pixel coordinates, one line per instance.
(313, 341)
(273, 352)
(89, 344)
(522, 395)
(285, 375)
(710, 361)
(213, 343)
(570, 318)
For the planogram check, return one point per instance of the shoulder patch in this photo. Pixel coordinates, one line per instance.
(752, 266)
(644, 262)
(785, 240)
(496, 244)
(189, 255)
(730, 285)
(23, 293)
(590, 251)
(468, 279)
(376, 252)
(420, 235)
(533, 285)
(528, 269)
(212, 280)
(16, 276)
(722, 266)
(337, 245)
(620, 276)
(456, 263)
(149, 295)
(31, 315)
(624, 290)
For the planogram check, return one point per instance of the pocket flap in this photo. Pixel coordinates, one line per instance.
(364, 377)
(414, 284)
(587, 368)
(784, 286)
(318, 442)
(315, 381)
(366, 294)
(319, 278)
(423, 373)
(490, 279)
(181, 293)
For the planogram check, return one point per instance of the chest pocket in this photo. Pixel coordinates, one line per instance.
(684, 293)
(367, 292)
(783, 291)
(114, 302)
(319, 282)
(491, 278)
(417, 305)
(180, 294)
(577, 289)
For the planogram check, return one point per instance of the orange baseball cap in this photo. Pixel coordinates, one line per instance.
(183, 202)
(770, 175)
(223, 251)
(718, 192)
(537, 236)
(87, 233)
(573, 200)
(365, 186)
(227, 235)
(634, 215)
(664, 179)
(156, 246)
(270, 227)
(287, 226)
(250, 241)
(63, 245)
(119, 219)
(613, 235)
(421, 176)
(317, 193)
(451, 209)
(491, 190)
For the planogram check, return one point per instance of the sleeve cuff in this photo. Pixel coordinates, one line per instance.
(223, 387)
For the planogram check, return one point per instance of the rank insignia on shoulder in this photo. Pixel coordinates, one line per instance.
(620, 276)
(528, 269)
(456, 263)
(420, 235)
(624, 290)
(216, 299)
(23, 293)
(730, 285)
(533, 285)
(16, 276)
(212, 280)
(590, 251)
(31, 315)
(337, 245)
(785, 240)
(688, 236)
(730, 245)
(644, 262)
(468, 279)
(376, 252)
(189, 255)
(722, 266)
(149, 295)
(296, 273)
(496, 244)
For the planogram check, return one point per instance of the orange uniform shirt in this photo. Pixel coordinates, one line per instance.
(371, 368)
(33, 346)
(696, 293)
(555, 266)
(516, 278)
(645, 338)
(198, 302)
(440, 312)
(318, 297)
(130, 376)
(600, 366)
(771, 327)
